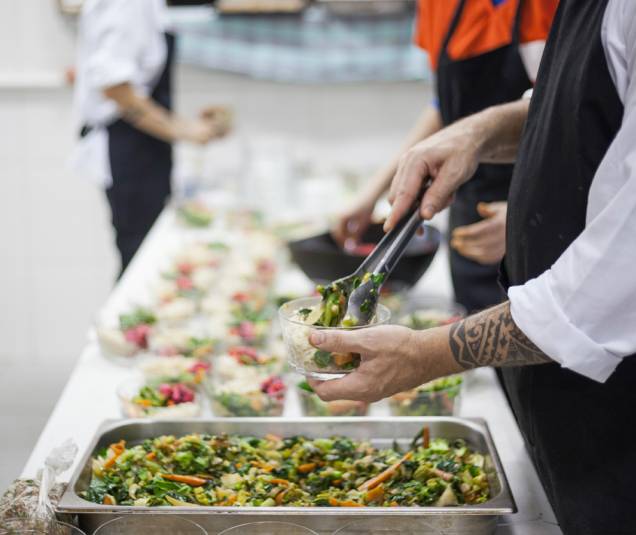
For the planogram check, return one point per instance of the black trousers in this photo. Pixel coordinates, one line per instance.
(141, 166)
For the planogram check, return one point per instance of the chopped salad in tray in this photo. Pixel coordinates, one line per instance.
(296, 471)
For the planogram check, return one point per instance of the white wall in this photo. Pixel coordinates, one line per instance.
(37, 42)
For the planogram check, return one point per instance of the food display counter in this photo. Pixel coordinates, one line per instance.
(90, 397)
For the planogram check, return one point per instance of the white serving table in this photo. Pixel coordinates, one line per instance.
(89, 396)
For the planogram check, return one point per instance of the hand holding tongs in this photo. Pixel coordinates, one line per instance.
(363, 296)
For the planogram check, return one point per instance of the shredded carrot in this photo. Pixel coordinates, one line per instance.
(277, 481)
(386, 475)
(193, 481)
(118, 448)
(376, 494)
(307, 467)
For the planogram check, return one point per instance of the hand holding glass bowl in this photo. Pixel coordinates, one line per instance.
(307, 359)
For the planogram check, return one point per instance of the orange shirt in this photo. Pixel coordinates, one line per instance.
(482, 27)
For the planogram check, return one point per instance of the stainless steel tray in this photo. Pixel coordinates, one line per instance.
(474, 519)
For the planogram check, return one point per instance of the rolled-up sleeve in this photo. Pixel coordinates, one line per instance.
(114, 42)
(582, 311)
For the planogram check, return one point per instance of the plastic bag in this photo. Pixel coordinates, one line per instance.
(35, 499)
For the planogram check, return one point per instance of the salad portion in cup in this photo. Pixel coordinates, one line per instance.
(130, 336)
(435, 398)
(426, 312)
(312, 405)
(300, 317)
(159, 399)
(249, 396)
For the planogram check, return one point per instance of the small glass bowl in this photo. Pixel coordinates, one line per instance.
(268, 528)
(26, 526)
(444, 401)
(155, 524)
(312, 405)
(129, 409)
(304, 357)
(245, 398)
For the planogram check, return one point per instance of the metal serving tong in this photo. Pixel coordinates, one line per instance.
(363, 290)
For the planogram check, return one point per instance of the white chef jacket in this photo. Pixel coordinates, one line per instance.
(582, 311)
(119, 41)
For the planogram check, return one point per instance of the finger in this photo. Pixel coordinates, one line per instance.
(339, 231)
(337, 341)
(353, 386)
(472, 231)
(451, 175)
(414, 173)
(485, 209)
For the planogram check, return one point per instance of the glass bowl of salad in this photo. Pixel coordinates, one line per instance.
(298, 318)
(425, 312)
(128, 336)
(249, 396)
(312, 405)
(160, 399)
(440, 397)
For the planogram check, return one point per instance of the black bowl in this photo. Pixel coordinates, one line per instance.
(323, 260)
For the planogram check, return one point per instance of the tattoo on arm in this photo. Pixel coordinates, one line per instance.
(492, 338)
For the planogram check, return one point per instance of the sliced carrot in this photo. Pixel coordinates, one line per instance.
(277, 481)
(426, 437)
(280, 497)
(193, 481)
(376, 494)
(144, 402)
(151, 455)
(349, 503)
(108, 500)
(340, 359)
(263, 466)
(307, 467)
(386, 475)
(231, 500)
(336, 482)
(118, 448)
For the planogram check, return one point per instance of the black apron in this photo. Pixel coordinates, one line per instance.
(465, 87)
(580, 433)
(141, 166)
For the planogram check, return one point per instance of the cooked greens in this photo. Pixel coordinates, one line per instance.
(222, 470)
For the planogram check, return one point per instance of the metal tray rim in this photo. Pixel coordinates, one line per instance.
(503, 503)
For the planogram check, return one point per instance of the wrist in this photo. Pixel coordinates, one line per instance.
(431, 349)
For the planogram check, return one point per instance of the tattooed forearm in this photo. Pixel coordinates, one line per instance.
(492, 338)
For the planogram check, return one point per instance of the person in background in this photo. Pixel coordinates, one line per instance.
(123, 99)
(483, 52)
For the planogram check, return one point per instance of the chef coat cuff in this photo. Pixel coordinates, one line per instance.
(538, 314)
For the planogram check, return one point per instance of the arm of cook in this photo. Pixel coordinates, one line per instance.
(581, 311)
(119, 37)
